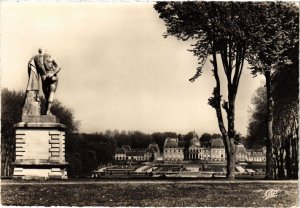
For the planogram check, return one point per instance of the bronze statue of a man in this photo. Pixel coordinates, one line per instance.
(47, 67)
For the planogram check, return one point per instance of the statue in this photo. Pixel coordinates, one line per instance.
(44, 66)
(40, 138)
(49, 80)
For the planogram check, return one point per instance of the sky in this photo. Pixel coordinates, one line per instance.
(118, 71)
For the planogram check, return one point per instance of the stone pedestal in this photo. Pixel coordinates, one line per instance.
(40, 148)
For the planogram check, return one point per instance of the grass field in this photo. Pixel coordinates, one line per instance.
(103, 193)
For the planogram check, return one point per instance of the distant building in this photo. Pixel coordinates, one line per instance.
(155, 150)
(126, 153)
(250, 155)
(120, 154)
(148, 155)
(256, 155)
(217, 150)
(198, 151)
(173, 150)
(241, 153)
(135, 155)
(176, 151)
(195, 150)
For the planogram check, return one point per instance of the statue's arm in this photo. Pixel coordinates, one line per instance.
(57, 67)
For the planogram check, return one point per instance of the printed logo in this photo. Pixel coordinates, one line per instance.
(271, 193)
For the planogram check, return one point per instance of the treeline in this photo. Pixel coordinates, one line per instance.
(286, 121)
(84, 152)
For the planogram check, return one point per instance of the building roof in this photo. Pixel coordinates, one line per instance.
(217, 143)
(171, 143)
(155, 149)
(154, 146)
(127, 148)
(135, 153)
(256, 153)
(120, 151)
(240, 149)
(149, 150)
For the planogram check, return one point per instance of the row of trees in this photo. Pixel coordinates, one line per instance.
(263, 33)
(286, 126)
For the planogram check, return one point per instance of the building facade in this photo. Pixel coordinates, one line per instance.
(173, 150)
(126, 153)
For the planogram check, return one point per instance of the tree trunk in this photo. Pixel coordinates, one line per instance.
(288, 158)
(269, 126)
(294, 158)
(231, 135)
(231, 165)
(280, 165)
(275, 162)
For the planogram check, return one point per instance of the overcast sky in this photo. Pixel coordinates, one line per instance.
(118, 72)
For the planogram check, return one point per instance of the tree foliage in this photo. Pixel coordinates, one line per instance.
(256, 137)
(263, 33)
(219, 29)
(11, 110)
(286, 125)
(273, 41)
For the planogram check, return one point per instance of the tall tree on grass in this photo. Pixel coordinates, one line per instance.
(273, 44)
(220, 29)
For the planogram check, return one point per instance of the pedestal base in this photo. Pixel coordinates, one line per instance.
(40, 171)
(40, 150)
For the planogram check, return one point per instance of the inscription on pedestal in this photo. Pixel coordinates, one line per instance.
(40, 151)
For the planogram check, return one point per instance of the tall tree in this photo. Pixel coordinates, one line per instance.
(11, 111)
(220, 29)
(273, 34)
(285, 126)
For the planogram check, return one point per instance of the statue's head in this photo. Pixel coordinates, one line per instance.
(41, 50)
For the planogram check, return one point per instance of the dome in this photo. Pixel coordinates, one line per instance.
(154, 146)
(195, 141)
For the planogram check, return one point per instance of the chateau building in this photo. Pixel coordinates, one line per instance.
(176, 151)
(173, 150)
(258, 155)
(250, 155)
(125, 153)
(217, 151)
(195, 150)
(198, 151)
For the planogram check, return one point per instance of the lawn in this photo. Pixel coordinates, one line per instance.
(103, 193)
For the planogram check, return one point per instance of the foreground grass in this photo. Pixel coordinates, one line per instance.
(143, 194)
